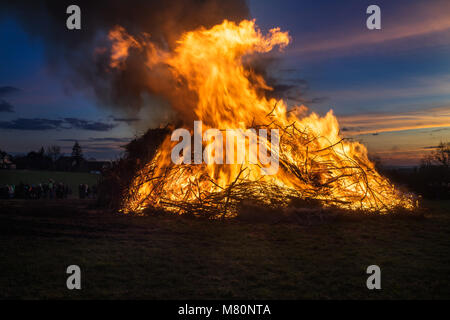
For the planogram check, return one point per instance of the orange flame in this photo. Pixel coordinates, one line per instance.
(315, 162)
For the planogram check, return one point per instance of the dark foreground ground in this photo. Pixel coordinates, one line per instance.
(178, 258)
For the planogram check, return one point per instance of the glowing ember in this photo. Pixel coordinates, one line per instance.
(314, 161)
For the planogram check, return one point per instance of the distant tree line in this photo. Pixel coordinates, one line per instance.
(52, 159)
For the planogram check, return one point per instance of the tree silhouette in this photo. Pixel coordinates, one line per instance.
(77, 154)
(54, 152)
(439, 157)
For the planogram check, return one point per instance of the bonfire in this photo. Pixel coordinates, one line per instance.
(315, 162)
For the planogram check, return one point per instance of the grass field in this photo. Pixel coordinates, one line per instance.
(73, 179)
(179, 258)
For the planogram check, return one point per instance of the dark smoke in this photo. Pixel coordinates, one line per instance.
(71, 53)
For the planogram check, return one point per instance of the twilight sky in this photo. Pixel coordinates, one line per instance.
(390, 88)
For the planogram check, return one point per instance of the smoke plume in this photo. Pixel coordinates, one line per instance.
(82, 56)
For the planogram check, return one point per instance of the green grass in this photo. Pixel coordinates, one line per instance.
(178, 258)
(73, 179)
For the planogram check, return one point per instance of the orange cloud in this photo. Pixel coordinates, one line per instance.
(373, 123)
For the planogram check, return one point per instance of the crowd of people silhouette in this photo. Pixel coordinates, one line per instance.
(47, 190)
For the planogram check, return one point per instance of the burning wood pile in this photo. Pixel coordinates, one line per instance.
(209, 83)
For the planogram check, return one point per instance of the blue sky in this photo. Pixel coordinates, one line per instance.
(42, 95)
(390, 88)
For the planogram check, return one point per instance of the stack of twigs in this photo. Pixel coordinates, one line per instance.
(311, 168)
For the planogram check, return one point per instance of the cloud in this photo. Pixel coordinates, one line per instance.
(107, 139)
(417, 87)
(410, 157)
(110, 139)
(89, 125)
(126, 120)
(5, 106)
(5, 90)
(35, 124)
(39, 124)
(375, 123)
(293, 89)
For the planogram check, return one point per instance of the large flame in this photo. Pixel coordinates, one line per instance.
(315, 161)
